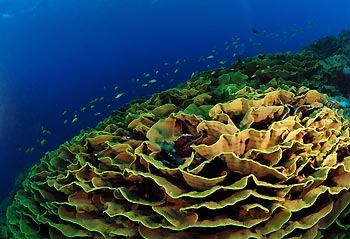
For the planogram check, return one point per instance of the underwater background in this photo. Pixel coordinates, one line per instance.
(65, 65)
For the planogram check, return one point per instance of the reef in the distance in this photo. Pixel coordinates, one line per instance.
(257, 150)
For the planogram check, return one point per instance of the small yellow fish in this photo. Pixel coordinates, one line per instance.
(147, 75)
(222, 62)
(75, 119)
(43, 130)
(137, 80)
(212, 73)
(43, 141)
(184, 60)
(98, 113)
(166, 63)
(93, 101)
(30, 149)
(152, 81)
(227, 48)
(177, 62)
(82, 109)
(109, 105)
(92, 106)
(119, 95)
(144, 85)
(236, 46)
(210, 57)
(176, 70)
(46, 131)
(233, 55)
(65, 121)
(102, 98)
(192, 75)
(116, 87)
(157, 72)
(64, 112)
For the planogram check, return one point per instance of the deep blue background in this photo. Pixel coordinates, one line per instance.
(60, 54)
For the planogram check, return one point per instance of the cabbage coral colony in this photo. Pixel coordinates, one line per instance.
(257, 150)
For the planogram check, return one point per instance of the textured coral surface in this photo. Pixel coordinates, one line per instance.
(239, 152)
(272, 164)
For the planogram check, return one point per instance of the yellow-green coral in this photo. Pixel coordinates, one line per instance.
(264, 164)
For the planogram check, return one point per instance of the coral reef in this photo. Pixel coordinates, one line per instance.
(333, 54)
(256, 150)
(331, 45)
(267, 164)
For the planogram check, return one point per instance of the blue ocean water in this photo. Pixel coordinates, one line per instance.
(64, 65)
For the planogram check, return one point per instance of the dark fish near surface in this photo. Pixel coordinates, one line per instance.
(255, 31)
